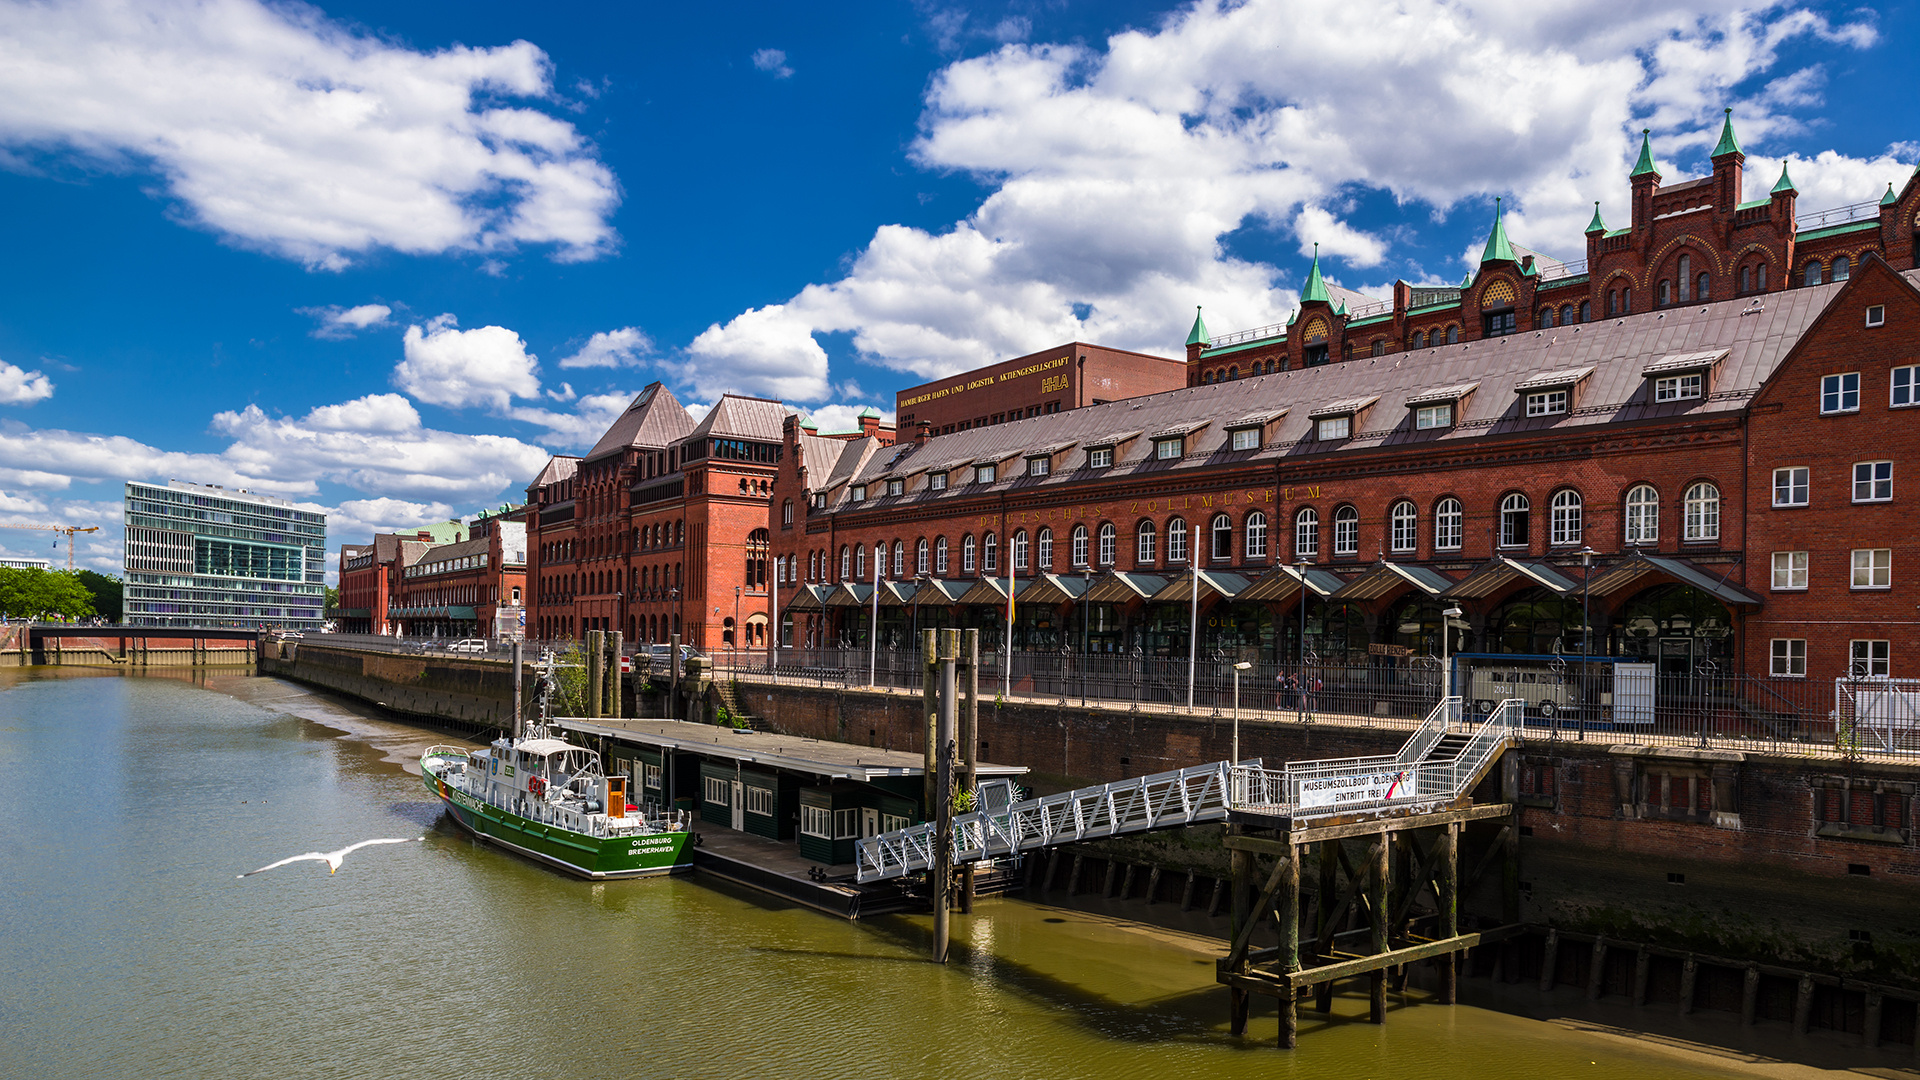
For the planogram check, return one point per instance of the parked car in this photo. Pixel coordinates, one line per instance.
(472, 644)
(661, 654)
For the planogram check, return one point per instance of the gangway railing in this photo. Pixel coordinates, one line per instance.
(1187, 796)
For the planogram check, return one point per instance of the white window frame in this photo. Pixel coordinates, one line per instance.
(921, 555)
(846, 824)
(1869, 658)
(985, 474)
(1840, 393)
(1020, 550)
(1449, 525)
(990, 554)
(1346, 531)
(897, 487)
(1039, 466)
(1642, 523)
(968, 549)
(1256, 535)
(1877, 485)
(1043, 550)
(1790, 571)
(1679, 387)
(1146, 544)
(1547, 403)
(1903, 387)
(1245, 438)
(1516, 507)
(1794, 482)
(1567, 512)
(937, 481)
(1079, 549)
(1701, 523)
(1331, 428)
(1109, 543)
(1177, 540)
(1872, 569)
(1876, 315)
(1788, 658)
(940, 554)
(1306, 533)
(816, 821)
(1404, 528)
(759, 801)
(1168, 449)
(650, 776)
(859, 493)
(717, 790)
(1429, 417)
(1100, 457)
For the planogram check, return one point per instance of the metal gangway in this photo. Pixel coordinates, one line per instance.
(1445, 757)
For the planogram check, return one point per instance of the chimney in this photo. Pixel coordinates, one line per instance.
(869, 425)
(922, 431)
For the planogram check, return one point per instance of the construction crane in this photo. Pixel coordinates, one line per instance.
(68, 529)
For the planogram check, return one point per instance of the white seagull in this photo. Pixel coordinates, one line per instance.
(331, 858)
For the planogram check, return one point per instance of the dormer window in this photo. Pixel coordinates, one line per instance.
(1338, 419)
(1677, 387)
(984, 474)
(1333, 427)
(820, 500)
(896, 487)
(1251, 432)
(1429, 417)
(1682, 376)
(937, 481)
(1551, 394)
(1547, 403)
(1168, 449)
(1100, 458)
(859, 493)
(1039, 466)
(1246, 439)
(1437, 408)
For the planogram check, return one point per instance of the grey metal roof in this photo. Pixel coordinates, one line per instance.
(557, 469)
(793, 753)
(654, 420)
(1442, 393)
(1343, 407)
(1553, 379)
(1252, 420)
(736, 417)
(1693, 361)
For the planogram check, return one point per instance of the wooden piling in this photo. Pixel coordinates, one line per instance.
(1689, 973)
(944, 734)
(1750, 996)
(1238, 999)
(1803, 1006)
(1448, 899)
(1597, 969)
(1186, 893)
(1870, 1027)
(1642, 968)
(1379, 856)
(1287, 910)
(1329, 881)
(1153, 884)
(595, 651)
(969, 749)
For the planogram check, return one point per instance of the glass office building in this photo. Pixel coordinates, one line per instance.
(204, 555)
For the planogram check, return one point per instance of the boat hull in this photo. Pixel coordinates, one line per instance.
(593, 857)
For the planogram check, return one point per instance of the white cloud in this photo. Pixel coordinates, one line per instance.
(20, 387)
(382, 413)
(444, 365)
(611, 348)
(841, 417)
(337, 322)
(591, 416)
(356, 520)
(1115, 174)
(773, 62)
(20, 504)
(288, 132)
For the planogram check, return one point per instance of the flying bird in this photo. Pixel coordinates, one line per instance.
(331, 858)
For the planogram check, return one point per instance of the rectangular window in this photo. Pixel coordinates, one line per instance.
(1790, 486)
(1877, 315)
(1547, 403)
(816, 821)
(1334, 427)
(1246, 439)
(1789, 569)
(651, 775)
(1167, 449)
(820, 500)
(1840, 393)
(1039, 466)
(846, 824)
(1100, 457)
(894, 822)
(1427, 417)
(1677, 387)
(1789, 658)
(760, 801)
(896, 487)
(1869, 659)
(1873, 568)
(718, 791)
(1872, 481)
(983, 474)
(937, 481)
(859, 493)
(1906, 387)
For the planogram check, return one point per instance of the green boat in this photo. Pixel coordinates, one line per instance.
(550, 800)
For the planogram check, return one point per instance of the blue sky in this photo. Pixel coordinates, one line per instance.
(382, 259)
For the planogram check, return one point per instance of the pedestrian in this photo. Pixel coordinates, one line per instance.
(1289, 690)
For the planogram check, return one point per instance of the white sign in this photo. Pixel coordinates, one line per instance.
(1357, 789)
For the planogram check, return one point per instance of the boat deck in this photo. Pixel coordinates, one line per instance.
(771, 866)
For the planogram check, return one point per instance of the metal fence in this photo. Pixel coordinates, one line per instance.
(1569, 699)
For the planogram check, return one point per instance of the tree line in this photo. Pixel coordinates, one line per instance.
(34, 593)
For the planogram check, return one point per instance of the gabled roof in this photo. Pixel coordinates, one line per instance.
(736, 417)
(653, 421)
(558, 469)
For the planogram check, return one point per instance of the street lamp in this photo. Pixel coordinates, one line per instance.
(1446, 642)
(733, 647)
(1086, 586)
(1303, 639)
(1237, 669)
(1586, 630)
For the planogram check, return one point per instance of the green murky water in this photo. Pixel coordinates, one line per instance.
(128, 804)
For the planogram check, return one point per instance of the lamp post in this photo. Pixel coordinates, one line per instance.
(1586, 632)
(1303, 639)
(1086, 586)
(873, 625)
(1237, 669)
(1193, 611)
(1446, 643)
(733, 647)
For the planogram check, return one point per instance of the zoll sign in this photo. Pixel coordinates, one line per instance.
(1356, 789)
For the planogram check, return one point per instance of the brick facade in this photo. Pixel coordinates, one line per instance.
(1064, 377)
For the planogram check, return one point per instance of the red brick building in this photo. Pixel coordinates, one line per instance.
(474, 587)
(662, 527)
(1688, 242)
(368, 573)
(1064, 377)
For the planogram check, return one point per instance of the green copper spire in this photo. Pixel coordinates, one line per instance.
(1596, 225)
(1889, 198)
(1498, 249)
(1644, 167)
(1315, 288)
(1199, 334)
(1466, 280)
(1728, 144)
(1784, 186)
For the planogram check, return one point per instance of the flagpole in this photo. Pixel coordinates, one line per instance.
(1006, 676)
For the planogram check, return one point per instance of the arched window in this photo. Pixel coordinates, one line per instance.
(1222, 532)
(940, 556)
(1663, 293)
(1306, 533)
(1812, 276)
(1613, 301)
(968, 549)
(1703, 512)
(1233, 373)
(1079, 546)
(1566, 314)
(1146, 543)
(1206, 376)
(1043, 557)
(786, 512)
(879, 560)
(813, 566)
(1702, 285)
(1746, 280)
(1419, 339)
(1514, 515)
(1405, 531)
(1346, 531)
(1546, 317)
(1453, 335)
(846, 563)
(1109, 544)
(990, 554)
(1177, 540)
(899, 559)
(1256, 535)
(859, 563)
(1685, 274)
(1643, 515)
(1020, 550)
(1586, 311)
(1566, 517)
(1448, 525)
(1842, 268)
(920, 557)
(1760, 277)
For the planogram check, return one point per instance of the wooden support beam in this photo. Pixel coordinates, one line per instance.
(1642, 967)
(1550, 963)
(1480, 812)
(1803, 1006)
(1750, 996)
(1379, 852)
(1186, 893)
(1245, 920)
(1689, 973)
(1242, 927)
(1597, 970)
(1447, 894)
(1153, 884)
(1323, 916)
(1272, 982)
(1287, 911)
(1870, 1028)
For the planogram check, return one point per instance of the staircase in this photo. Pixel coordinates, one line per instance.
(729, 694)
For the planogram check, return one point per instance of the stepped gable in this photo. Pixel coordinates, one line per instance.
(1607, 361)
(654, 420)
